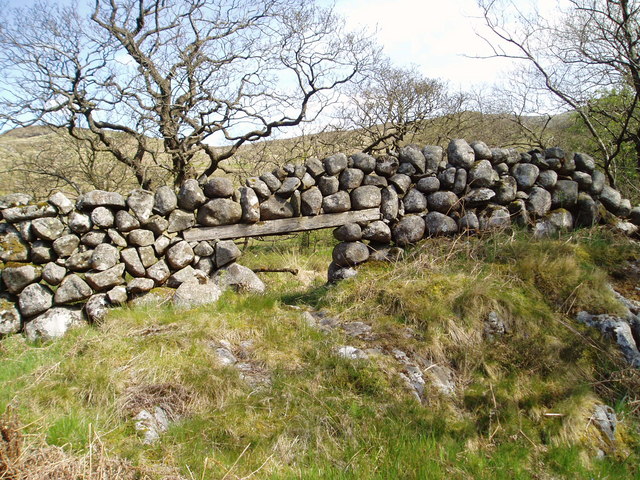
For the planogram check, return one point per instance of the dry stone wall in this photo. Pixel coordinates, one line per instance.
(64, 262)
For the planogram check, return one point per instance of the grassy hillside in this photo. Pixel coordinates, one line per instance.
(511, 402)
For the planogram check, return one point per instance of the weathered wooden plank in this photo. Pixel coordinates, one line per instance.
(283, 225)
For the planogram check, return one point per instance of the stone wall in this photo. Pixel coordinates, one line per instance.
(64, 261)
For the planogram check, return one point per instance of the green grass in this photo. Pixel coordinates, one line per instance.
(318, 415)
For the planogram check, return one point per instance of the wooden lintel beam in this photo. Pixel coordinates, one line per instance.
(280, 226)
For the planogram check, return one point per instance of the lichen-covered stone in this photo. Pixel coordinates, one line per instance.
(79, 261)
(363, 161)
(48, 228)
(79, 222)
(335, 163)
(165, 200)
(437, 223)
(408, 230)
(159, 272)
(18, 277)
(35, 299)
(10, 320)
(28, 212)
(226, 252)
(349, 232)
(390, 203)
(141, 237)
(53, 273)
(365, 197)
(94, 238)
(311, 201)
(104, 257)
(190, 195)
(525, 174)
(219, 211)
(60, 201)
(350, 178)
(12, 246)
(387, 165)
(72, 289)
(460, 154)
(377, 231)
(336, 203)
(414, 201)
(276, 207)
(100, 198)
(443, 202)
(180, 220)
(565, 194)
(53, 324)
(401, 182)
(250, 205)
(413, 156)
(494, 217)
(433, 156)
(180, 255)
(132, 262)
(218, 187)
(539, 202)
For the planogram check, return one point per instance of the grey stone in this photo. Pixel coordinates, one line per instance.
(437, 223)
(460, 154)
(375, 180)
(634, 215)
(157, 224)
(363, 161)
(547, 179)
(161, 244)
(349, 232)
(568, 165)
(599, 181)
(97, 307)
(618, 329)
(624, 209)
(79, 222)
(328, 185)
(494, 217)
(271, 181)
(482, 174)
(34, 300)
(605, 418)
(147, 256)
(610, 198)
(180, 255)
(584, 162)
(28, 212)
(289, 185)
(307, 181)
(13, 247)
(140, 285)
(539, 202)
(481, 151)
(125, 222)
(412, 155)
(26, 231)
(180, 220)
(141, 237)
(460, 182)
(276, 207)
(565, 194)
(519, 214)
(443, 202)
(478, 196)
(554, 152)
(94, 238)
(132, 262)
(390, 202)
(525, 174)
(218, 187)
(351, 353)
(348, 254)
(414, 201)
(219, 211)
(226, 252)
(61, 202)
(53, 273)
(10, 320)
(203, 249)
(469, 222)
(15, 200)
(401, 182)
(350, 178)
(165, 200)
(79, 261)
(311, 201)
(586, 211)
(315, 167)
(41, 252)
(428, 185)
(377, 231)
(240, 278)
(190, 195)
(501, 169)
(104, 257)
(583, 180)
(159, 272)
(16, 278)
(338, 202)
(447, 178)
(116, 238)
(189, 295)
(48, 228)
(555, 221)
(433, 156)
(53, 324)
(408, 230)
(65, 246)
(365, 197)
(387, 165)
(100, 198)
(141, 203)
(186, 275)
(72, 289)
(407, 169)
(118, 295)
(206, 265)
(335, 163)
(336, 273)
(506, 190)
(250, 205)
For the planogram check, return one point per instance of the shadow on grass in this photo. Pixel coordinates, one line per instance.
(313, 297)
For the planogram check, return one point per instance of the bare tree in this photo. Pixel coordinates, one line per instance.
(585, 52)
(391, 106)
(174, 77)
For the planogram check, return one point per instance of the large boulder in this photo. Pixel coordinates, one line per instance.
(53, 324)
(190, 195)
(220, 211)
(141, 203)
(72, 289)
(348, 254)
(35, 299)
(408, 230)
(367, 196)
(180, 255)
(443, 202)
(240, 278)
(460, 154)
(18, 277)
(437, 223)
